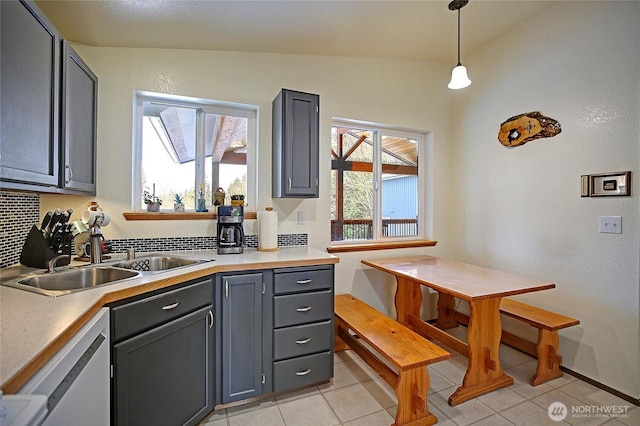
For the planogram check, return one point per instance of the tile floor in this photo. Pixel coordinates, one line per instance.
(358, 396)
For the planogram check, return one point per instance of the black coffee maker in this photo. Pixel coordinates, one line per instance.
(230, 233)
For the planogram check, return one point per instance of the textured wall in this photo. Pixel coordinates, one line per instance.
(519, 209)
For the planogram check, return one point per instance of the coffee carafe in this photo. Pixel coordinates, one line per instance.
(230, 236)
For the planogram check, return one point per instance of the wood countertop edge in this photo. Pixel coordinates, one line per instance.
(24, 374)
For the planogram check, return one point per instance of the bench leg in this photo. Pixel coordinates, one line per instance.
(548, 358)
(338, 344)
(412, 387)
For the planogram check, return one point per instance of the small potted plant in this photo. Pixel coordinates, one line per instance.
(153, 203)
(178, 205)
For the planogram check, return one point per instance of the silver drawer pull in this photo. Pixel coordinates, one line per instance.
(307, 309)
(303, 373)
(303, 341)
(303, 282)
(170, 307)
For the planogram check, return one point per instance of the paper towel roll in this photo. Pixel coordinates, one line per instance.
(268, 230)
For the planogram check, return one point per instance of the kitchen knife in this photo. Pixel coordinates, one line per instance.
(54, 219)
(58, 226)
(46, 220)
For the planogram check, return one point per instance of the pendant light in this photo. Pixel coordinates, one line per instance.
(459, 79)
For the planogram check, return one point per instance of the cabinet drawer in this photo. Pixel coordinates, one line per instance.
(300, 340)
(302, 371)
(297, 281)
(143, 314)
(302, 308)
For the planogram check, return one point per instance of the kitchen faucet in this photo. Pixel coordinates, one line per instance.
(51, 268)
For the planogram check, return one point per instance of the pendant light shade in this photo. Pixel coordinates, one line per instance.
(459, 78)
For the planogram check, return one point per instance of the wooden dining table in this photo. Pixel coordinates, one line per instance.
(482, 288)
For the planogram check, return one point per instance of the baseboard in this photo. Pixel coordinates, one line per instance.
(628, 398)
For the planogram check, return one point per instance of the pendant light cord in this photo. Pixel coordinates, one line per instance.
(459, 38)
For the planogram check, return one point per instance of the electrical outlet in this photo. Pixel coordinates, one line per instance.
(611, 224)
(302, 217)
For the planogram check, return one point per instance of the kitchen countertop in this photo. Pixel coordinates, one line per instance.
(33, 327)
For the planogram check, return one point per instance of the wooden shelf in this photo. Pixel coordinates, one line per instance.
(179, 216)
(343, 248)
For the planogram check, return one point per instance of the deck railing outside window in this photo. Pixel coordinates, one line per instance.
(362, 229)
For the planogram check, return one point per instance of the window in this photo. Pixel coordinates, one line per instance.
(191, 146)
(378, 189)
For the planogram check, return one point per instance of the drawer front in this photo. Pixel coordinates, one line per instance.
(311, 280)
(143, 314)
(300, 340)
(302, 371)
(302, 308)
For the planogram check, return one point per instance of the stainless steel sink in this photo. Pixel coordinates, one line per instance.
(155, 263)
(73, 280)
(87, 277)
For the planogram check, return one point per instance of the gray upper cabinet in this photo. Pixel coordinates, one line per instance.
(29, 98)
(79, 121)
(295, 144)
(48, 101)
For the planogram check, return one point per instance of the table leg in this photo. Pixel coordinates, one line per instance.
(408, 300)
(446, 311)
(484, 372)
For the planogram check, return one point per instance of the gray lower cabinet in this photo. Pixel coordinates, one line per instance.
(295, 149)
(303, 335)
(244, 335)
(275, 330)
(163, 357)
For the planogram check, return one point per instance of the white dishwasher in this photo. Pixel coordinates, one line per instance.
(76, 380)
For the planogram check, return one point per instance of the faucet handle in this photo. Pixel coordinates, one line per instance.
(131, 253)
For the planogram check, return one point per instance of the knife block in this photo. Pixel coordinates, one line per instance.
(36, 252)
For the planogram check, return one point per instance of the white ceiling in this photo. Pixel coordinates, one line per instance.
(409, 30)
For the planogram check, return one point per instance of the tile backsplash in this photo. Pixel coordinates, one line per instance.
(20, 211)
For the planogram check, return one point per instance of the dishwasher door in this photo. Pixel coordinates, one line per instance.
(76, 379)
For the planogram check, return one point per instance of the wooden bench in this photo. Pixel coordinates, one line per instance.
(546, 349)
(404, 349)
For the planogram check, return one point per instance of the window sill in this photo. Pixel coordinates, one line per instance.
(344, 248)
(179, 216)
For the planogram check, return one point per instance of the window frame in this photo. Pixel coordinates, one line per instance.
(250, 112)
(424, 192)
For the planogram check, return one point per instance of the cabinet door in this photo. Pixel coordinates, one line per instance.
(242, 336)
(295, 144)
(79, 118)
(166, 375)
(29, 87)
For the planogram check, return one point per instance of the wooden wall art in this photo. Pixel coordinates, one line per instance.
(523, 128)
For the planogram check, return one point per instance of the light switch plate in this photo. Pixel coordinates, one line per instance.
(611, 224)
